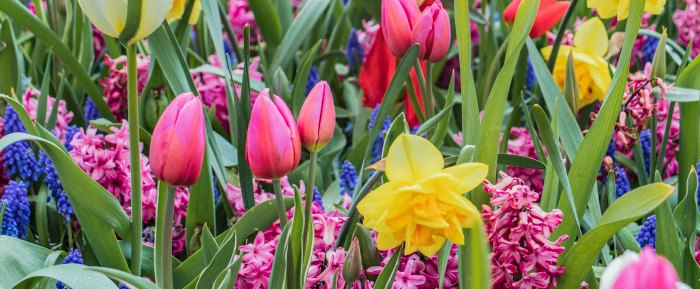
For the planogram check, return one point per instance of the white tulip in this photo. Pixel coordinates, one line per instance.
(109, 16)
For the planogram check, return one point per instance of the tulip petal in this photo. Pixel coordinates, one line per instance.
(412, 158)
(111, 23)
(548, 16)
(607, 280)
(152, 15)
(442, 37)
(592, 37)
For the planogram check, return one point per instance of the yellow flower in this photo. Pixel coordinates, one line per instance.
(109, 16)
(422, 203)
(592, 71)
(621, 8)
(179, 9)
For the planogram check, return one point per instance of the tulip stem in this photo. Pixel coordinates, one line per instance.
(281, 211)
(135, 161)
(164, 236)
(309, 196)
(429, 103)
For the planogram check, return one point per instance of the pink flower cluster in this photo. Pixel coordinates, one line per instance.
(114, 84)
(212, 88)
(521, 144)
(670, 164)
(518, 230)
(240, 15)
(30, 100)
(688, 24)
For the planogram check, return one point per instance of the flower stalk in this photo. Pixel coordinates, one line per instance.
(164, 233)
(134, 160)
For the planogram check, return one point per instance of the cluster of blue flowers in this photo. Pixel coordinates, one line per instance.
(312, 80)
(52, 180)
(91, 112)
(347, 178)
(74, 257)
(648, 49)
(530, 78)
(622, 183)
(645, 141)
(317, 198)
(354, 53)
(378, 144)
(16, 217)
(647, 233)
(19, 158)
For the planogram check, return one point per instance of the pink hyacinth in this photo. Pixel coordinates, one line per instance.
(106, 159)
(240, 15)
(521, 144)
(670, 162)
(518, 231)
(114, 84)
(30, 100)
(688, 24)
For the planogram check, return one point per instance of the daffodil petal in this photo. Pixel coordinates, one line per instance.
(592, 37)
(468, 175)
(411, 158)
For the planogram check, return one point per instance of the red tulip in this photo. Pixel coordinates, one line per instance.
(273, 146)
(317, 118)
(398, 18)
(549, 13)
(178, 142)
(432, 32)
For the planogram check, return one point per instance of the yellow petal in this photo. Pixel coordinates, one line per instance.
(606, 8)
(592, 37)
(412, 158)
(386, 241)
(654, 6)
(376, 202)
(153, 13)
(468, 175)
(431, 249)
(109, 16)
(623, 9)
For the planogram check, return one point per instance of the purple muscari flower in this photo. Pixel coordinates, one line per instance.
(91, 112)
(347, 178)
(648, 49)
(317, 198)
(52, 180)
(312, 80)
(378, 144)
(645, 141)
(647, 233)
(622, 183)
(19, 159)
(611, 149)
(16, 209)
(354, 53)
(148, 235)
(74, 257)
(530, 79)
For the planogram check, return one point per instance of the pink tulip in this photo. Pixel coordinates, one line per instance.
(273, 146)
(317, 118)
(178, 142)
(432, 32)
(398, 19)
(644, 271)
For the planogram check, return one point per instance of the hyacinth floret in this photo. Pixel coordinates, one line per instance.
(347, 178)
(647, 233)
(622, 182)
(378, 144)
(18, 158)
(16, 217)
(74, 257)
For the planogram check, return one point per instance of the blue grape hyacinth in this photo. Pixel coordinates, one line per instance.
(347, 178)
(317, 198)
(91, 112)
(16, 217)
(622, 183)
(19, 159)
(645, 141)
(378, 144)
(74, 257)
(647, 233)
(354, 53)
(312, 80)
(648, 49)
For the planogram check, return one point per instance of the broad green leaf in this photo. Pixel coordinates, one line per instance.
(520, 161)
(221, 260)
(658, 64)
(475, 270)
(298, 32)
(441, 131)
(689, 125)
(279, 263)
(209, 245)
(19, 259)
(386, 277)
(434, 121)
(668, 243)
(267, 20)
(685, 215)
(73, 275)
(301, 78)
(166, 52)
(10, 59)
(129, 280)
(200, 209)
(470, 105)
(147, 258)
(633, 205)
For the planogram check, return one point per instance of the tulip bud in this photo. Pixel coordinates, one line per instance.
(178, 11)
(644, 271)
(352, 267)
(110, 17)
(398, 18)
(432, 33)
(178, 142)
(317, 118)
(548, 14)
(273, 146)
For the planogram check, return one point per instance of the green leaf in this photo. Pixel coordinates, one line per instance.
(386, 278)
(668, 243)
(301, 78)
(298, 32)
(658, 64)
(10, 60)
(689, 125)
(279, 263)
(470, 105)
(73, 275)
(475, 270)
(571, 93)
(520, 161)
(224, 256)
(441, 131)
(266, 18)
(443, 256)
(166, 52)
(130, 280)
(434, 121)
(147, 258)
(19, 259)
(489, 132)
(200, 209)
(633, 205)
(686, 215)
(209, 245)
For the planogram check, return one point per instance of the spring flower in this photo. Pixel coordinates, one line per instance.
(110, 17)
(688, 24)
(273, 145)
(74, 257)
(52, 180)
(178, 9)
(521, 144)
(90, 111)
(378, 144)
(114, 84)
(592, 71)
(422, 203)
(645, 141)
(670, 163)
(398, 20)
(348, 178)
(178, 142)
(240, 15)
(548, 14)
(641, 271)
(18, 159)
(647, 233)
(30, 101)
(432, 32)
(16, 217)
(317, 118)
(622, 182)
(518, 230)
(354, 52)
(621, 8)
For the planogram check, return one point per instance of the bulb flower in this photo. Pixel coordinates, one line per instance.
(548, 14)
(398, 19)
(110, 17)
(640, 271)
(432, 33)
(273, 145)
(621, 8)
(178, 11)
(178, 142)
(317, 118)
(592, 71)
(422, 204)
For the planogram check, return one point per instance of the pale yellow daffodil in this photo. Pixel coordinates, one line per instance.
(592, 70)
(621, 8)
(422, 204)
(179, 9)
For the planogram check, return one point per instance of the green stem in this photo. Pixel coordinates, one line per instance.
(135, 161)
(281, 211)
(309, 196)
(164, 239)
(560, 35)
(423, 86)
(429, 101)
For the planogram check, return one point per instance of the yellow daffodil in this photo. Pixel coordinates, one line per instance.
(179, 9)
(592, 70)
(422, 204)
(621, 8)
